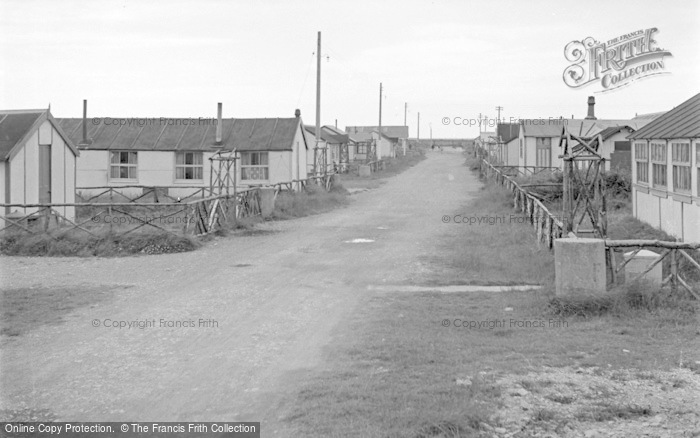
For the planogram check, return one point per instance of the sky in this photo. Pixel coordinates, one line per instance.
(447, 60)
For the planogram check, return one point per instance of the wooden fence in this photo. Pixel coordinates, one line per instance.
(109, 210)
(681, 264)
(110, 194)
(547, 226)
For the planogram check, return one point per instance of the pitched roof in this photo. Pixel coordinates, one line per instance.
(365, 132)
(327, 134)
(16, 125)
(186, 134)
(585, 128)
(507, 131)
(681, 122)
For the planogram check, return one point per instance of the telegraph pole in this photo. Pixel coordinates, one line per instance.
(479, 124)
(318, 102)
(499, 109)
(418, 135)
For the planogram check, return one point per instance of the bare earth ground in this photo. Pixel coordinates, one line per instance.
(280, 297)
(275, 296)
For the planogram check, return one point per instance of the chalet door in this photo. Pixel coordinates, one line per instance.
(543, 149)
(44, 174)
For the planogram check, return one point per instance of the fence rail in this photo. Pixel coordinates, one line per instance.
(677, 255)
(108, 194)
(199, 213)
(547, 226)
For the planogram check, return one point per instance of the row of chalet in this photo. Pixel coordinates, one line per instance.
(46, 159)
(535, 142)
(661, 151)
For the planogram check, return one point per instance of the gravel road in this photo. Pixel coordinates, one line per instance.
(270, 301)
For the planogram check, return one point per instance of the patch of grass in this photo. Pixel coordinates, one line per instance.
(103, 244)
(25, 309)
(629, 300)
(561, 399)
(604, 412)
(313, 200)
(499, 247)
(392, 166)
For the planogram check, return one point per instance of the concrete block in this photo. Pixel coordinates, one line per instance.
(579, 266)
(365, 171)
(267, 202)
(639, 263)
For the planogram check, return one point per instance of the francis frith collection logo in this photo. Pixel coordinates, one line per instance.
(615, 63)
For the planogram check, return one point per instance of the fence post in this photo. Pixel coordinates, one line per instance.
(674, 270)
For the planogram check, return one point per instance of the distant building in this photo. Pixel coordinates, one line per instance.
(666, 171)
(38, 162)
(392, 138)
(539, 138)
(507, 138)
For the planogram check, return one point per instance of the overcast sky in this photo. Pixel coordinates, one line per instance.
(445, 58)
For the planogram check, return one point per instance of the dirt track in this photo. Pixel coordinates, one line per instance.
(275, 296)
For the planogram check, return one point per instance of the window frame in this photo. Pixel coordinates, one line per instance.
(641, 162)
(659, 161)
(681, 160)
(265, 167)
(194, 166)
(128, 165)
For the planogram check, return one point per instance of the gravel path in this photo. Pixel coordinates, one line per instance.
(275, 298)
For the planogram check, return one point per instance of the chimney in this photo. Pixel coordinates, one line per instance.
(297, 113)
(591, 111)
(219, 124)
(85, 140)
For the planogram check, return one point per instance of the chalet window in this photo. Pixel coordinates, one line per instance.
(680, 158)
(697, 163)
(658, 166)
(361, 148)
(641, 157)
(122, 165)
(254, 166)
(544, 152)
(189, 165)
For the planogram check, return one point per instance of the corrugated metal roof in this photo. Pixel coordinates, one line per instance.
(14, 125)
(681, 122)
(185, 134)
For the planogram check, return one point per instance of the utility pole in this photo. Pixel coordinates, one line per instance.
(479, 124)
(431, 131)
(318, 102)
(379, 140)
(499, 109)
(418, 135)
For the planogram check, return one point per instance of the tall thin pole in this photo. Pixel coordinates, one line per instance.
(377, 153)
(418, 134)
(405, 112)
(318, 103)
(499, 109)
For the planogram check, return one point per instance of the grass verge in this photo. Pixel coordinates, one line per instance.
(104, 244)
(312, 200)
(438, 365)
